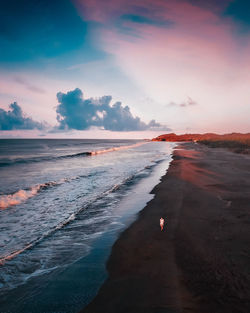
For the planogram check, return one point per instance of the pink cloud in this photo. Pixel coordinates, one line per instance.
(200, 55)
(101, 11)
(104, 11)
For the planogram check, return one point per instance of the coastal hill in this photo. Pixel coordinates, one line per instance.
(200, 137)
(236, 142)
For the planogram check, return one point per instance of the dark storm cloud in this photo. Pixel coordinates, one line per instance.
(75, 112)
(15, 119)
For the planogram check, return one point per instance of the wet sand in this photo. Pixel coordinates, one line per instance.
(201, 261)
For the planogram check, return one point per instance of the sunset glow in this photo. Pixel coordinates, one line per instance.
(184, 64)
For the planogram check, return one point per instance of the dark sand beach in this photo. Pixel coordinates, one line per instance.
(200, 262)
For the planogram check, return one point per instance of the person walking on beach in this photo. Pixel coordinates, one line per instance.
(161, 223)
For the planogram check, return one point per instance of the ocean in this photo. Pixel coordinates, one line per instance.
(63, 203)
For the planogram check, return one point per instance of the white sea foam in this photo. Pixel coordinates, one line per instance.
(117, 148)
(22, 195)
(18, 197)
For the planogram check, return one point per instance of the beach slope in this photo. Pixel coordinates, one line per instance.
(200, 262)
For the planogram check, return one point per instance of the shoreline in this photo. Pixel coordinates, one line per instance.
(200, 262)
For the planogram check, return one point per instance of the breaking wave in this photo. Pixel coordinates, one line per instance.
(117, 148)
(24, 194)
(9, 162)
(125, 183)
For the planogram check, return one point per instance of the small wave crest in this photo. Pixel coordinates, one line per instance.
(13, 254)
(22, 194)
(117, 148)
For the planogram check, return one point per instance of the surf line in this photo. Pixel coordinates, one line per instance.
(118, 148)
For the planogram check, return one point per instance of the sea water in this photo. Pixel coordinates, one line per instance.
(62, 205)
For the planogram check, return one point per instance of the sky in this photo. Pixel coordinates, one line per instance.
(123, 69)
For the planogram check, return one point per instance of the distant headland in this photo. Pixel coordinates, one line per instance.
(236, 142)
